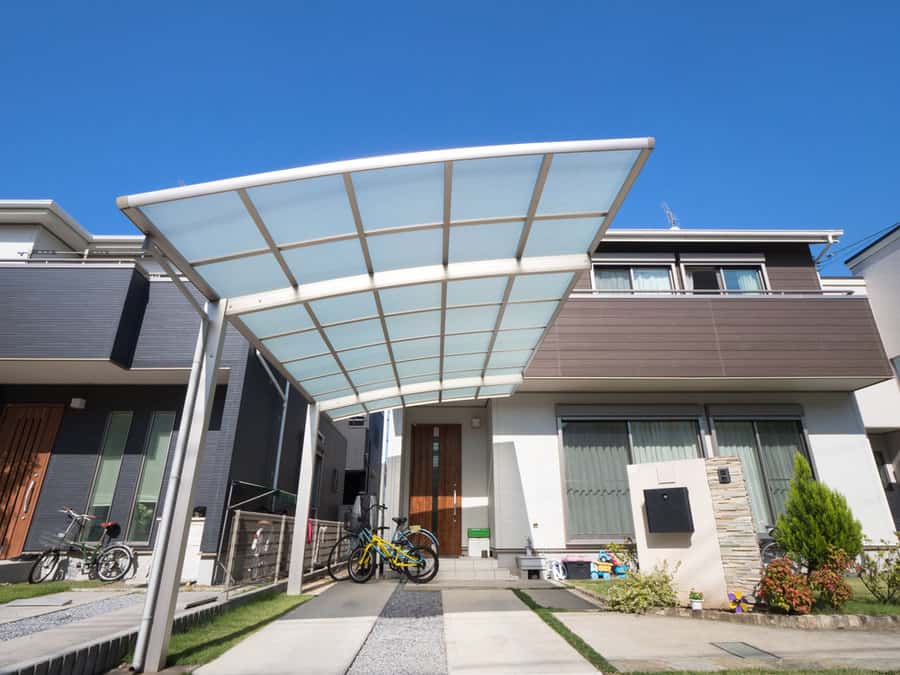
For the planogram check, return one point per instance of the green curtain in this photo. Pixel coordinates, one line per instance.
(596, 454)
(779, 441)
(737, 439)
(108, 472)
(664, 440)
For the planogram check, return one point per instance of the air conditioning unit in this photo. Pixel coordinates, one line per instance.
(359, 421)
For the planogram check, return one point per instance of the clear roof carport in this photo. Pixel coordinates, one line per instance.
(372, 284)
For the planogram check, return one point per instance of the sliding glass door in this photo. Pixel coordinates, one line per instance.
(766, 450)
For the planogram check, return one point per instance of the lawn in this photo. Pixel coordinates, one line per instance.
(10, 592)
(862, 603)
(596, 587)
(201, 644)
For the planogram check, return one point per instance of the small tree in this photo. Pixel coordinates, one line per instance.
(816, 520)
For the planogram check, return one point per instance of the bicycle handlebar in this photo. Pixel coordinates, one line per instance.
(81, 516)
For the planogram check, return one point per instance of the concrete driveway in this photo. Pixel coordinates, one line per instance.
(649, 643)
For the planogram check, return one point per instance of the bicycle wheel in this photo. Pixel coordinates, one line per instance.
(337, 567)
(114, 562)
(426, 567)
(361, 564)
(45, 567)
(421, 539)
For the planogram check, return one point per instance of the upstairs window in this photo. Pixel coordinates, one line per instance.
(635, 279)
(744, 279)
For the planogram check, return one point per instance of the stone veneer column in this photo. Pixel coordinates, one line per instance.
(734, 525)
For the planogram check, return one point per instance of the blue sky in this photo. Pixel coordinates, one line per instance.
(767, 114)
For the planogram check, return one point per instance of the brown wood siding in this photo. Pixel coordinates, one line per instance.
(790, 266)
(712, 337)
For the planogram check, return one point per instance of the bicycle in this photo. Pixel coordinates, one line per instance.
(105, 561)
(420, 565)
(413, 536)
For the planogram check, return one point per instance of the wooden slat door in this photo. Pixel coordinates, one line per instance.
(449, 516)
(435, 488)
(27, 435)
(420, 478)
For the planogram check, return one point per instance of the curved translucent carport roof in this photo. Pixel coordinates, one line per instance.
(399, 280)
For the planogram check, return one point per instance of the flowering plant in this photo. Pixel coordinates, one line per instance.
(829, 581)
(695, 595)
(783, 589)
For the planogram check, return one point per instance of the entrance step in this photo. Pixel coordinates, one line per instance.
(463, 569)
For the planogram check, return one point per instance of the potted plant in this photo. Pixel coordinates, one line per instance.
(696, 598)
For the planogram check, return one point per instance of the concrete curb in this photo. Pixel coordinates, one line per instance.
(101, 656)
(807, 622)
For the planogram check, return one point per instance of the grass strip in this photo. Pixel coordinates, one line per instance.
(595, 658)
(207, 641)
(10, 592)
(756, 671)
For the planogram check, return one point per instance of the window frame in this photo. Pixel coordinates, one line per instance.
(630, 266)
(93, 488)
(753, 420)
(600, 538)
(140, 476)
(719, 262)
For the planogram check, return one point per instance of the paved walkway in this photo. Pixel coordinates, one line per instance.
(321, 636)
(649, 643)
(378, 629)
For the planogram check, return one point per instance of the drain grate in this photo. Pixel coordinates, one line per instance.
(743, 650)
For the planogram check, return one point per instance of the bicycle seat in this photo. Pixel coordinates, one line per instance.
(109, 523)
(400, 520)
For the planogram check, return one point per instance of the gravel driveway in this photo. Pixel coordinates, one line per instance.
(407, 638)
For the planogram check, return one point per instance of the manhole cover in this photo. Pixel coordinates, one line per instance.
(743, 650)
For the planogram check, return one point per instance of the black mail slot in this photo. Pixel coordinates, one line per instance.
(668, 510)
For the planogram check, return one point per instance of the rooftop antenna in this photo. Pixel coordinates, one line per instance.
(670, 216)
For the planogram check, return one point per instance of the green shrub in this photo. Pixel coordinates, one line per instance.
(880, 572)
(639, 591)
(816, 520)
(784, 590)
(830, 582)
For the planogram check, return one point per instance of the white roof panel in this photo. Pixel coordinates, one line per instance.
(398, 280)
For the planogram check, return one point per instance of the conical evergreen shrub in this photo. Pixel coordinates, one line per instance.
(816, 520)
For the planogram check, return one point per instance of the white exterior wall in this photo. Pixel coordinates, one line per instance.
(528, 494)
(881, 271)
(17, 241)
(879, 405)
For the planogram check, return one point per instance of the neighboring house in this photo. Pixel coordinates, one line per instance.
(679, 344)
(95, 351)
(879, 265)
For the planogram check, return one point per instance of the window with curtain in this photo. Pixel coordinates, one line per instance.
(746, 279)
(625, 278)
(595, 454)
(117, 427)
(766, 449)
(154, 464)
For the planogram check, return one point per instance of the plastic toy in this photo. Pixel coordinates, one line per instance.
(738, 604)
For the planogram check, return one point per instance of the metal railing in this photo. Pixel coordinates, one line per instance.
(624, 292)
(258, 548)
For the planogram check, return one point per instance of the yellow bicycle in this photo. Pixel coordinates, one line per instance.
(419, 564)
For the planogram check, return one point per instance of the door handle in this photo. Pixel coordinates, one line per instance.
(28, 497)
(454, 503)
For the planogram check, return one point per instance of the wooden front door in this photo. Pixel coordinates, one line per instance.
(435, 489)
(27, 435)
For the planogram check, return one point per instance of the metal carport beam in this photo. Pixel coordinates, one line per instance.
(412, 276)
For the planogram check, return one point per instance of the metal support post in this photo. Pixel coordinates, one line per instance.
(304, 492)
(171, 541)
